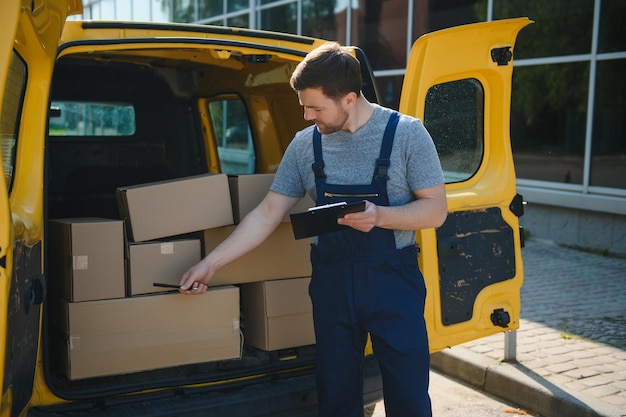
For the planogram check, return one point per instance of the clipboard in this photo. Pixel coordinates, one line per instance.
(322, 219)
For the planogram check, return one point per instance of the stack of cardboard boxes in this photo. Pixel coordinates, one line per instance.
(109, 319)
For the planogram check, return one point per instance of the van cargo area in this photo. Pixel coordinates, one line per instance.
(146, 167)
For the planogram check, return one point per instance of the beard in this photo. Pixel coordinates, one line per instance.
(334, 126)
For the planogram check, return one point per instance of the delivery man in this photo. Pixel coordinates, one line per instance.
(365, 278)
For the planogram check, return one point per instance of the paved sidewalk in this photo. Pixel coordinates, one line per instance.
(571, 345)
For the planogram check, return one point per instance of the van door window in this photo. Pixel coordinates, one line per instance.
(231, 130)
(454, 116)
(74, 118)
(9, 118)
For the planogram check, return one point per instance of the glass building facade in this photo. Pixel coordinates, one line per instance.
(568, 110)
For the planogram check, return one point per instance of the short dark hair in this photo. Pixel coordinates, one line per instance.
(329, 67)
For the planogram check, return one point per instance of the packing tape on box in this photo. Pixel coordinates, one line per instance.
(74, 342)
(80, 262)
(167, 248)
(237, 329)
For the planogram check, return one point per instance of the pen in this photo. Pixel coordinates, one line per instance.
(160, 284)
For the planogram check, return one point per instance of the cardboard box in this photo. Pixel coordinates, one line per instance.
(279, 256)
(175, 207)
(86, 258)
(112, 337)
(247, 191)
(164, 262)
(277, 314)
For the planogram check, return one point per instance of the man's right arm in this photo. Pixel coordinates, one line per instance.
(251, 232)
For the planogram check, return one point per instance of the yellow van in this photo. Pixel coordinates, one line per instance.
(93, 111)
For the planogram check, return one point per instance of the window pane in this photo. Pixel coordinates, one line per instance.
(612, 35)
(319, 20)
(280, 19)
(9, 118)
(559, 29)
(240, 21)
(449, 13)
(208, 9)
(548, 113)
(235, 5)
(608, 160)
(182, 11)
(454, 116)
(73, 118)
(231, 130)
(380, 29)
(389, 90)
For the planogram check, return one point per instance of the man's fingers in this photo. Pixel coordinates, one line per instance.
(194, 288)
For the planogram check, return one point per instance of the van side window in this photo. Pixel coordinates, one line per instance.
(454, 116)
(75, 118)
(231, 129)
(10, 116)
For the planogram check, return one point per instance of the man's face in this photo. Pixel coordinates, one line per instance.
(329, 115)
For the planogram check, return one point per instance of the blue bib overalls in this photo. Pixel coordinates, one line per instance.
(361, 283)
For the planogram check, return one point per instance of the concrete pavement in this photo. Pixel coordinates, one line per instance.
(571, 345)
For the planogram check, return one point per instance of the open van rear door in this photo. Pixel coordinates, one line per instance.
(29, 38)
(458, 81)
(9, 12)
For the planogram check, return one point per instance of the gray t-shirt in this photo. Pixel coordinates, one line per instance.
(350, 158)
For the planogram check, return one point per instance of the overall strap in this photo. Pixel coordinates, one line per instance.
(318, 165)
(383, 161)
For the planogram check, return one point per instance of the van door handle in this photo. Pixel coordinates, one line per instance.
(35, 292)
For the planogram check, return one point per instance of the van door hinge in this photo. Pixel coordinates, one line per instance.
(502, 56)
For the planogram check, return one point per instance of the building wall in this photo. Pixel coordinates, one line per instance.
(599, 232)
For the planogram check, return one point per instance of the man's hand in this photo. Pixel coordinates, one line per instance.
(195, 280)
(429, 209)
(363, 221)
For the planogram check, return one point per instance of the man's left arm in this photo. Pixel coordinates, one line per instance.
(430, 209)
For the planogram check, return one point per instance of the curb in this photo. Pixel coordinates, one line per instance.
(518, 384)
